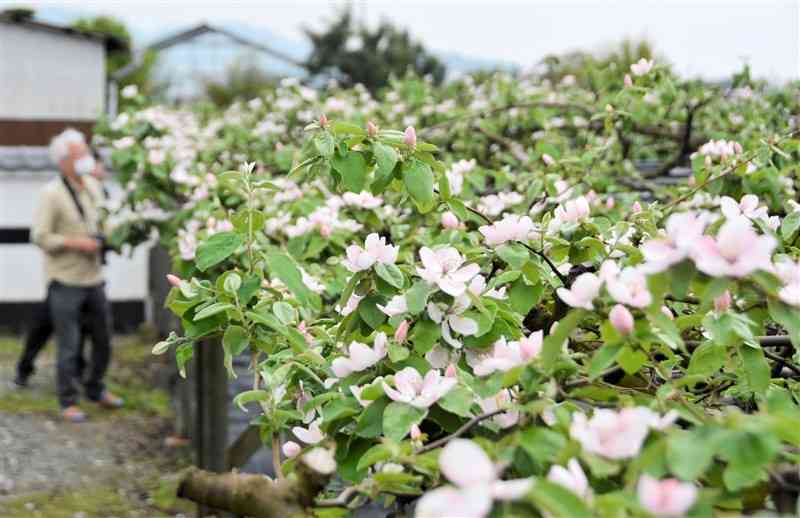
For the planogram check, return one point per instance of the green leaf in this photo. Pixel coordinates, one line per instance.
(324, 144)
(418, 179)
(756, 369)
(458, 401)
(183, 354)
(370, 313)
(232, 283)
(557, 500)
(216, 249)
(353, 168)
(523, 297)
(370, 423)
(235, 340)
(285, 312)
(249, 396)
(424, 335)
(386, 159)
(631, 360)
(788, 318)
(283, 267)
(542, 444)
(707, 359)
(398, 418)
(391, 274)
(551, 349)
(378, 453)
(604, 358)
(748, 454)
(211, 310)
(417, 297)
(515, 255)
(689, 453)
(790, 225)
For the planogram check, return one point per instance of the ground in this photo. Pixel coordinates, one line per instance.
(115, 465)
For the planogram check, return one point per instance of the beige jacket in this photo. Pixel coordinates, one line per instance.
(56, 219)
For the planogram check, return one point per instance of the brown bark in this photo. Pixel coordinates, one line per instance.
(253, 495)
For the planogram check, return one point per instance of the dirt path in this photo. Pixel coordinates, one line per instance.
(114, 465)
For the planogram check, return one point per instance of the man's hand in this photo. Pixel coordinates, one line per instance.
(83, 244)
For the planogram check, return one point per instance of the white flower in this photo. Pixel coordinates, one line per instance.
(450, 318)
(361, 357)
(443, 267)
(642, 67)
(475, 484)
(583, 291)
(375, 251)
(410, 387)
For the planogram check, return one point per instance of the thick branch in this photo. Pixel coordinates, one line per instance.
(253, 495)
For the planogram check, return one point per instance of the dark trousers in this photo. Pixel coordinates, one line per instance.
(38, 334)
(66, 303)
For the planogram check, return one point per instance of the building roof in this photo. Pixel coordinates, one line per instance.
(111, 43)
(192, 33)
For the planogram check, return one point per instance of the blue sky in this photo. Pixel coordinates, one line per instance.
(705, 38)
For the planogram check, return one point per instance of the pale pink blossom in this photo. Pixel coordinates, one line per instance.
(737, 251)
(450, 318)
(642, 67)
(748, 207)
(668, 498)
(397, 305)
(617, 434)
(636, 208)
(375, 251)
(572, 477)
(548, 160)
(476, 484)
(789, 272)
(450, 371)
(323, 120)
(573, 211)
(477, 286)
(723, 302)
(320, 460)
(683, 231)
(629, 287)
(720, 149)
(583, 291)
(410, 137)
(455, 175)
(173, 279)
(291, 449)
(500, 400)
(310, 435)
(350, 306)
(443, 267)
(401, 332)
(410, 387)
(621, 319)
(416, 433)
(507, 355)
(627, 81)
(510, 228)
(372, 129)
(450, 220)
(364, 200)
(361, 357)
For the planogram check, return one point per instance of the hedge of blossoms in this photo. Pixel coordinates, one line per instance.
(495, 324)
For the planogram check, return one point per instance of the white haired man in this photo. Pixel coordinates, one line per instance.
(67, 228)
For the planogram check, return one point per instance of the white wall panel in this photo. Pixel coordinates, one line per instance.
(47, 75)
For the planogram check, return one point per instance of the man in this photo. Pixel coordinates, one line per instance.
(67, 228)
(42, 324)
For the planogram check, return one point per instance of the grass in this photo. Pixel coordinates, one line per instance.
(153, 496)
(128, 376)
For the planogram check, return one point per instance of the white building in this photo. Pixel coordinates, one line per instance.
(50, 78)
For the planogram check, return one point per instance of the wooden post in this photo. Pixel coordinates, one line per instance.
(211, 389)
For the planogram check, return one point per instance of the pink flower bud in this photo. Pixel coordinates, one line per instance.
(723, 302)
(548, 160)
(410, 137)
(450, 220)
(450, 371)
(708, 161)
(667, 313)
(636, 207)
(610, 202)
(402, 332)
(325, 230)
(173, 279)
(372, 129)
(416, 433)
(737, 148)
(291, 449)
(323, 121)
(621, 319)
(628, 81)
(692, 181)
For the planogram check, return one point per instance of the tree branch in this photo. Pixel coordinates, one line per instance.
(462, 430)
